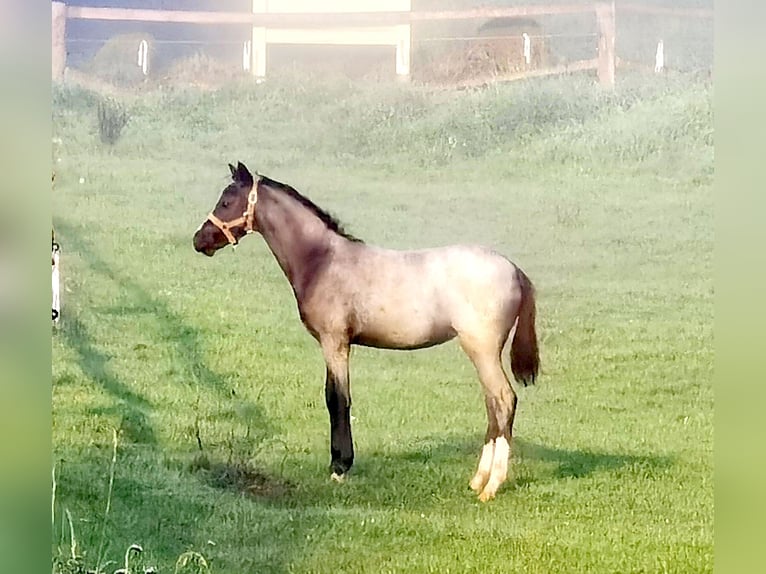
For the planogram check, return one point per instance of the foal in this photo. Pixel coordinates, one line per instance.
(350, 293)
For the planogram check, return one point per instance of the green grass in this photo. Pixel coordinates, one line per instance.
(604, 199)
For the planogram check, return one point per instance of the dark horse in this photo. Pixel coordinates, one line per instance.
(350, 293)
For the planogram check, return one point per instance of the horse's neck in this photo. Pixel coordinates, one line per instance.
(299, 240)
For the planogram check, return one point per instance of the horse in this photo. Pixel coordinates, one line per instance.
(351, 293)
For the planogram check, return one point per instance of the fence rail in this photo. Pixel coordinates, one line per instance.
(664, 11)
(318, 19)
(368, 27)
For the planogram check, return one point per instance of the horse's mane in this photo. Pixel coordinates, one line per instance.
(330, 222)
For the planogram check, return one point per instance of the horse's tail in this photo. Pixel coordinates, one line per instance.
(525, 358)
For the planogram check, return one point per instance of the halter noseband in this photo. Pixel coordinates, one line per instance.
(247, 218)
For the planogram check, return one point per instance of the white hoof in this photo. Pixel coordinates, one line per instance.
(338, 477)
(487, 494)
(478, 482)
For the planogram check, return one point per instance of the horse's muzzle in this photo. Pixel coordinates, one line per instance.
(201, 245)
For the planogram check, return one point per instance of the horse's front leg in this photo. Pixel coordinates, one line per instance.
(338, 398)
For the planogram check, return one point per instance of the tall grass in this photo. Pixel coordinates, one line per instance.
(112, 119)
(69, 559)
(387, 124)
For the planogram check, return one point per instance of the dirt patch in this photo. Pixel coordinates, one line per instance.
(240, 477)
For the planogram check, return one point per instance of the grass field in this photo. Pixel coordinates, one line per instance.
(604, 199)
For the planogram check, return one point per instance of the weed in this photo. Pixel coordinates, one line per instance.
(75, 561)
(112, 119)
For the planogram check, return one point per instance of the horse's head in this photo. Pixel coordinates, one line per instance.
(232, 217)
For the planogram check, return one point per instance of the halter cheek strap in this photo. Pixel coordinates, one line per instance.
(247, 217)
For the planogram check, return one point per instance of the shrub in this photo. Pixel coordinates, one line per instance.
(116, 62)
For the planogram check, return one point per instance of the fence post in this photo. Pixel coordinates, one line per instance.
(527, 49)
(58, 40)
(659, 58)
(403, 57)
(258, 43)
(143, 56)
(607, 56)
(247, 55)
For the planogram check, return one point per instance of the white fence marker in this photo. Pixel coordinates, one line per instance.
(659, 59)
(247, 50)
(143, 55)
(527, 48)
(56, 283)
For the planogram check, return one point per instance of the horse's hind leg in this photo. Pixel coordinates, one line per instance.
(501, 407)
(500, 401)
(487, 453)
(338, 399)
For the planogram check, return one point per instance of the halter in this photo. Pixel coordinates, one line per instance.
(247, 218)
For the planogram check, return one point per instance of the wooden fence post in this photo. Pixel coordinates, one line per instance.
(607, 56)
(58, 40)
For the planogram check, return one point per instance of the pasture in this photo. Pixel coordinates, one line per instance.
(217, 392)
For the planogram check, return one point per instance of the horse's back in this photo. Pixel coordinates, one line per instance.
(414, 299)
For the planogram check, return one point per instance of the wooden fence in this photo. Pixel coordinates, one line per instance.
(376, 27)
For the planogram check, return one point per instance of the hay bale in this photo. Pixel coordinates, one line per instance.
(117, 60)
(504, 44)
(493, 49)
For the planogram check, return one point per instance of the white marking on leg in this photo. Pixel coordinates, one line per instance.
(485, 466)
(338, 477)
(499, 469)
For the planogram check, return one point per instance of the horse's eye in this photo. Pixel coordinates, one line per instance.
(224, 204)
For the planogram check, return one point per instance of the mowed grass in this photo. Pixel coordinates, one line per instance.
(604, 199)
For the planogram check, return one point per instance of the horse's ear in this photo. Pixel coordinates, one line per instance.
(233, 171)
(243, 175)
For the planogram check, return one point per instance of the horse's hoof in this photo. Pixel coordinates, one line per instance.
(338, 477)
(478, 482)
(486, 496)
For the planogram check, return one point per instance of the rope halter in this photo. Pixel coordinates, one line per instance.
(247, 217)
